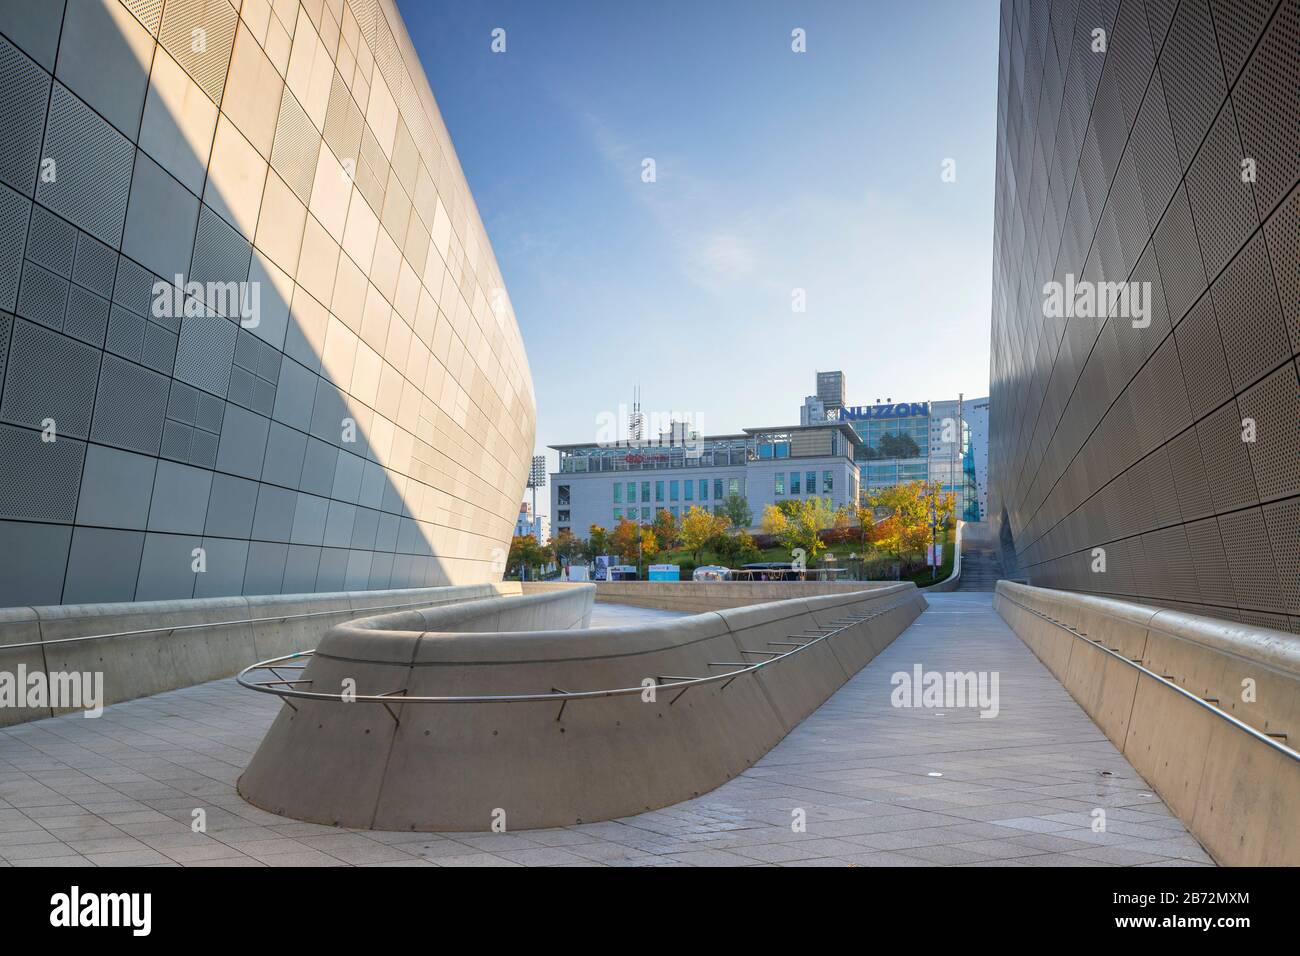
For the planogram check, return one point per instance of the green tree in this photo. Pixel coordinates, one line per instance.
(736, 508)
(735, 549)
(526, 555)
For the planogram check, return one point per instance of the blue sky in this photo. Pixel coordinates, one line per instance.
(775, 171)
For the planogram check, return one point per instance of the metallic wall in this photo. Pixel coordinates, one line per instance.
(1134, 164)
(295, 147)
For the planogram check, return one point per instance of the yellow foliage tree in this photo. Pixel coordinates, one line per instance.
(698, 528)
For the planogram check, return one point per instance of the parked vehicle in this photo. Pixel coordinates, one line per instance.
(711, 572)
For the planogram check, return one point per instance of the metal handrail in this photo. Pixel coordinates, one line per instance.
(277, 687)
(1200, 701)
(279, 618)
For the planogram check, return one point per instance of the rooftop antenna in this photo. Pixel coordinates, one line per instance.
(636, 414)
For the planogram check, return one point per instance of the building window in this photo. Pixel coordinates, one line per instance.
(704, 489)
(717, 489)
(672, 490)
(674, 509)
(659, 491)
(810, 484)
(794, 483)
(647, 514)
(645, 491)
(828, 482)
(780, 482)
(561, 494)
(618, 514)
(631, 492)
(733, 486)
(618, 492)
(689, 488)
(563, 516)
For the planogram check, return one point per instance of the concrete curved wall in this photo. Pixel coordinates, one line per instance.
(138, 665)
(371, 430)
(441, 767)
(698, 596)
(1239, 796)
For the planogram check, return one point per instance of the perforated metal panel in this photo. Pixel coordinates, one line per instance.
(204, 61)
(43, 296)
(92, 180)
(205, 352)
(40, 356)
(24, 94)
(130, 406)
(297, 145)
(51, 242)
(1178, 450)
(38, 479)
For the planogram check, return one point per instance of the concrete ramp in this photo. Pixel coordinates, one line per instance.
(526, 719)
(1206, 710)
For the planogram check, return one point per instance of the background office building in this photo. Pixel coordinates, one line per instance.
(913, 441)
(539, 526)
(368, 427)
(1167, 446)
(840, 454)
(600, 484)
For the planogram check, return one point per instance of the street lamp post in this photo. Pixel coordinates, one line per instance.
(934, 540)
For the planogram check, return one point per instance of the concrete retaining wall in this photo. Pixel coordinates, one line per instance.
(1238, 796)
(700, 596)
(452, 766)
(142, 664)
(951, 581)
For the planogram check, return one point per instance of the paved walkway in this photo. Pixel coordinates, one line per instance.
(879, 786)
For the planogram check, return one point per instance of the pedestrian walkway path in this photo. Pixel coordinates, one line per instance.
(873, 784)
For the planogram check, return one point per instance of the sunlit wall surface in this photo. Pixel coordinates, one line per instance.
(1151, 456)
(358, 415)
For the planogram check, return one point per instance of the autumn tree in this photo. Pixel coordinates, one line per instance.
(866, 518)
(649, 546)
(798, 525)
(597, 540)
(566, 546)
(699, 528)
(665, 528)
(624, 539)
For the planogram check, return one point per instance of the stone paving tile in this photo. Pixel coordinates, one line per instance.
(1016, 790)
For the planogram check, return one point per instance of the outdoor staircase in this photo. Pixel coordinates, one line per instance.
(980, 570)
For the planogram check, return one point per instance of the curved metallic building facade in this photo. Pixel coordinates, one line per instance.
(253, 338)
(1152, 453)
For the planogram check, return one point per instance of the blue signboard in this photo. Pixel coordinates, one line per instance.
(899, 410)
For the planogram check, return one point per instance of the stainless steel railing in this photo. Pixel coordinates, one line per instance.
(286, 689)
(171, 628)
(1241, 725)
